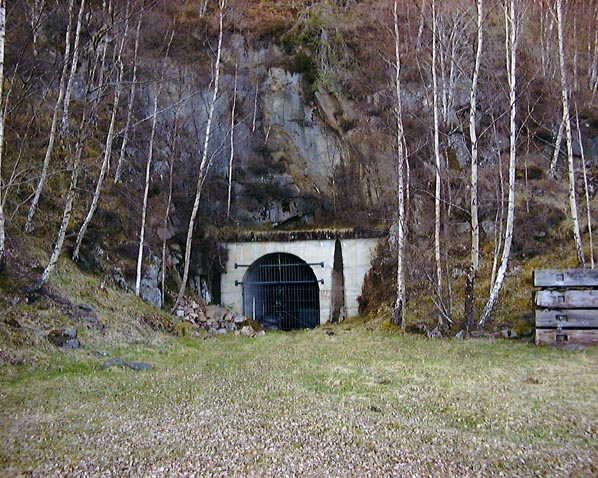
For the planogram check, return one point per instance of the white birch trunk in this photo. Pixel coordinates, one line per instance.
(2, 100)
(232, 148)
(127, 127)
(205, 162)
(253, 119)
(108, 144)
(173, 150)
(473, 183)
(568, 135)
(53, 124)
(74, 65)
(587, 192)
(148, 169)
(511, 40)
(66, 213)
(437, 157)
(557, 148)
(399, 311)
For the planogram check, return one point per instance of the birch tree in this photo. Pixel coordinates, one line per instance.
(2, 101)
(586, 190)
(437, 159)
(511, 40)
(473, 180)
(127, 128)
(173, 155)
(205, 160)
(399, 311)
(232, 147)
(60, 101)
(109, 140)
(568, 134)
(148, 169)
(75, 168)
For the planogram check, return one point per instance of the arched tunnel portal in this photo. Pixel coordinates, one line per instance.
(281, 291)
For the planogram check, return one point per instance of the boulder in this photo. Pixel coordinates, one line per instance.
(247, 331)
(150, 293)
(462, 334)
(66, 338)
(435, 333)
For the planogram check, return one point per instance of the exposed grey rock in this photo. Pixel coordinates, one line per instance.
(66, 338)
(139, 366)
(488, 227)
(115, 362)
(434, 334)
(120, 281)
(118, 362)
(462, 334)
(150, 292)
(247, 331)
(461, 227)
(72, 344)
(457, 144)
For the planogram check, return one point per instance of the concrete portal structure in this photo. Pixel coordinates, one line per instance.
(339, 266)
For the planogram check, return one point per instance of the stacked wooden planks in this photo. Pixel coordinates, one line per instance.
(566, 306)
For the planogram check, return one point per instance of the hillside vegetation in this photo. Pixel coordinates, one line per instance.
(126, 89)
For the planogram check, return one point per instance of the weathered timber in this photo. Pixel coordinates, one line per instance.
(567, 318)
(567, 299)
(566, 337)
(566, 307)
(566, 278)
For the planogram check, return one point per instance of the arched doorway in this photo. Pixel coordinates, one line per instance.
(281, 291)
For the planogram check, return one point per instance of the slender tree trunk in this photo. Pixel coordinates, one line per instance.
(123, 147)
(173, 150)
(67, 211)
(594, 68)
(232, 148)
(557, 148)
(148, 169)
(54, 122)
(473, 183)
(254, 118)
(108, 144)
(587, 193)
(2, 101)
(71, 78)
(437, 161)
(512, 38)
(568, 135)
(205, 161)
(399, 311)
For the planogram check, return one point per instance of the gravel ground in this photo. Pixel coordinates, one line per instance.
(307, 405)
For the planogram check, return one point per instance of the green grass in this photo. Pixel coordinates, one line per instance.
(444, 407)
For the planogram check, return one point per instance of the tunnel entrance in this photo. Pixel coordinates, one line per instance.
(281, 291)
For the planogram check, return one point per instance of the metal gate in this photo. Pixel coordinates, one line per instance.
(281, 291)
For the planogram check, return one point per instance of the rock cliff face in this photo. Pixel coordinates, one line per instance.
(289, 144)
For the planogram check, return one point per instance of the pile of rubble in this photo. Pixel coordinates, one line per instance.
(216, 320)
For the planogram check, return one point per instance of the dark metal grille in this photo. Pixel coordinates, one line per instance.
(280, 291)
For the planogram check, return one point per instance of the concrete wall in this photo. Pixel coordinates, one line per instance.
(357, 256)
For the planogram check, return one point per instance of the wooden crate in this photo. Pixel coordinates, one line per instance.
(566, 306)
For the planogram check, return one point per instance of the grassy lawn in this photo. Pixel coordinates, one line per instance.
(353, 404)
